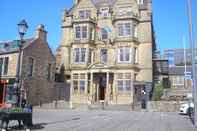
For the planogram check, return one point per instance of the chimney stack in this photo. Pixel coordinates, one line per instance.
(41, 33)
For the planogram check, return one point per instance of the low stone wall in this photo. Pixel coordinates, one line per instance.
(164, 106)
(54, 105)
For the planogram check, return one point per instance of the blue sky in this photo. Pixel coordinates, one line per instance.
(170, 20)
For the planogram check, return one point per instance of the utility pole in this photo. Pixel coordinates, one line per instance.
(192, 46)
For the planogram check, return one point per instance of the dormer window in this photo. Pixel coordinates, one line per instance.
(84, 14)
(104, 12)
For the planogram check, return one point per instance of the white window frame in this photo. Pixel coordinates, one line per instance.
(3, 66)
(140, 2)
(124, 55)
(124, 81)
(135, 31)
(124, 29)
(104, 11)
(81, 31)
(136, 59)
(79, 80)
(80, 56)
(124, 10)
(101, 56)
(86, 14)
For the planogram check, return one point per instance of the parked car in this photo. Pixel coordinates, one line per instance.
(186, 108)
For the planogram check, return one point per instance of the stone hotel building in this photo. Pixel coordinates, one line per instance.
(106, 49)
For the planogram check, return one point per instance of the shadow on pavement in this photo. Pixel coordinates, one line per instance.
(34, 127)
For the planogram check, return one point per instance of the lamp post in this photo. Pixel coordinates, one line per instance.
(22, 29)
(192, 45)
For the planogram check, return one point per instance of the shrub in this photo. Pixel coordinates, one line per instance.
(158, 92)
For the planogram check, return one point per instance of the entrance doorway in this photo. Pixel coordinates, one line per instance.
(102, 88)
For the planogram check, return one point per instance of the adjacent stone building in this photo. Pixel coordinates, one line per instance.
(106, 51)
(37, 69)
(180, 72)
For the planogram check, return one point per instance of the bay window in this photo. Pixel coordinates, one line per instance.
(124, 54)
(81, 32)
(135, 55)
(103, 54)
(124, 29)
(79, 55)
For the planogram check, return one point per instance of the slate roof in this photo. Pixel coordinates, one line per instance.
(97, 4)
(13, 46)
(179, 70)
(100, 3)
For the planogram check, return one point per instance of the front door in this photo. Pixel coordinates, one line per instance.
(102, 88)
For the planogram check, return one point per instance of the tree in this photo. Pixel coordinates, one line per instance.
(158, 92)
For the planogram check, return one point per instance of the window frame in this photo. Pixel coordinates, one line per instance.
(78, 52)
(104, 34)
(84, 14)
(31, 67)
(77, 83)
(125, 29)
(103, 60)
(123, 48)
(104, 13)
(124, 80)
(81, 32)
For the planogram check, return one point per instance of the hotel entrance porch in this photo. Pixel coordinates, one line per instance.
(108, 86)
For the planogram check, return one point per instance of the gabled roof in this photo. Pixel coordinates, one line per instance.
(13, 46)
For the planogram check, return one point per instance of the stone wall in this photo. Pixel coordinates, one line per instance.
(164, 106)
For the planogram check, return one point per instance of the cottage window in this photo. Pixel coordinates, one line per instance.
(124, 54)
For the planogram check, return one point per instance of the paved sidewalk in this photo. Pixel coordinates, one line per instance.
(75, 120)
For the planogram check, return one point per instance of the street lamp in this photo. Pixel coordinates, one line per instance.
(192, 46)
(22, 29)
